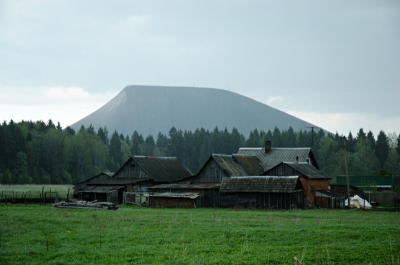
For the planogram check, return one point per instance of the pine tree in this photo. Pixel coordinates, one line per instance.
(382, 148)
(398, 146)
(116, 151)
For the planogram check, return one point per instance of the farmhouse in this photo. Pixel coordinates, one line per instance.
(207, 181)
(271, 156)
(136, 175)
(263, 192)
(311, 178)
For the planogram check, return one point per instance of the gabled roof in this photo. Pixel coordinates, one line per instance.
(101, 175)
(100, 189)
(250, 164)
(308, 170)
(268, 184)
(115, 181)
(186, 195)
(236, 165)
(278, 155)
(229, 165)
(159, 169)
(185, 186)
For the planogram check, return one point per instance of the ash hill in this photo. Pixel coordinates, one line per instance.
(154, 109)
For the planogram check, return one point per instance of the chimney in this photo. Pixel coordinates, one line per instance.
(268, 146)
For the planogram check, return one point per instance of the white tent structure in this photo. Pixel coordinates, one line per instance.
(358, 202)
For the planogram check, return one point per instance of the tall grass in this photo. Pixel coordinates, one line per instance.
(34, 234)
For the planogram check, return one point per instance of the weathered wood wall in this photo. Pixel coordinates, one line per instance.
(208, 197)
(211, 173)
(130, 170)
(309, 184)
(264, 200)
(169, 202)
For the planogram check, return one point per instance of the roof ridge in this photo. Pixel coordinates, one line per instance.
(263, 177)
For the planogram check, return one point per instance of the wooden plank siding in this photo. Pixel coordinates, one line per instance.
(282, 170)
(310, 185)
(210, 173)
(293, 200)
(130, 170)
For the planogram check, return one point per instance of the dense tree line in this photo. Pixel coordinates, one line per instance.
(39, 152)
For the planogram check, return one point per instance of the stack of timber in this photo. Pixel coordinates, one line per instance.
(86, 205)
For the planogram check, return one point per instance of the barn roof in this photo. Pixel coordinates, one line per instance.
(100, 175)
(278, 155)
(270, 184)
(159, 169)
(186, 186)
(250, 164)
(229, 165)
(100, 189)
(308, 170)
(115, 181)
(186, 195)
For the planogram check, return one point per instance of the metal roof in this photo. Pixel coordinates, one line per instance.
(278, 155)
(186, 195)
(267, 184)
(368, 181)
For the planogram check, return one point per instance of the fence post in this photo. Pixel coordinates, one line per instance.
(43, 195)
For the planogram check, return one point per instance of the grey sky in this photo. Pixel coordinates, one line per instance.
(333, 63)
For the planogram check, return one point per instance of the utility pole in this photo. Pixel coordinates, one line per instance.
(346, 168)
(312, 135)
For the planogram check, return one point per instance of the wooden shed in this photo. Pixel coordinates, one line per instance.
(137, 174)
(173, 200)
(101, 193)
(209, 195)
(262, 192)
(311, 178)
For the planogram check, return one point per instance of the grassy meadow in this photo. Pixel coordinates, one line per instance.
(34, 190)
(41, 234)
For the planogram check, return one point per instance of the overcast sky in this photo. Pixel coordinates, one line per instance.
(333, 63)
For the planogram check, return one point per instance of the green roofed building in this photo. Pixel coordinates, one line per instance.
(379, 182)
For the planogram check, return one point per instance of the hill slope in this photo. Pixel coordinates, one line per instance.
(153, 109)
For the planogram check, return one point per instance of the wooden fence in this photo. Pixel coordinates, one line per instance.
(43, 196)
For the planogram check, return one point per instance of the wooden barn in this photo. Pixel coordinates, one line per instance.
(220, 166)
(271, 156)
(89, 190)
(262, 192)
(311, 178)
(137, 174)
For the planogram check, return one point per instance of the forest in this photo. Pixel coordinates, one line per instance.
(45, 153)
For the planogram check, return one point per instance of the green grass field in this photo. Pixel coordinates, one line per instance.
(41, 234)
(34, 191)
